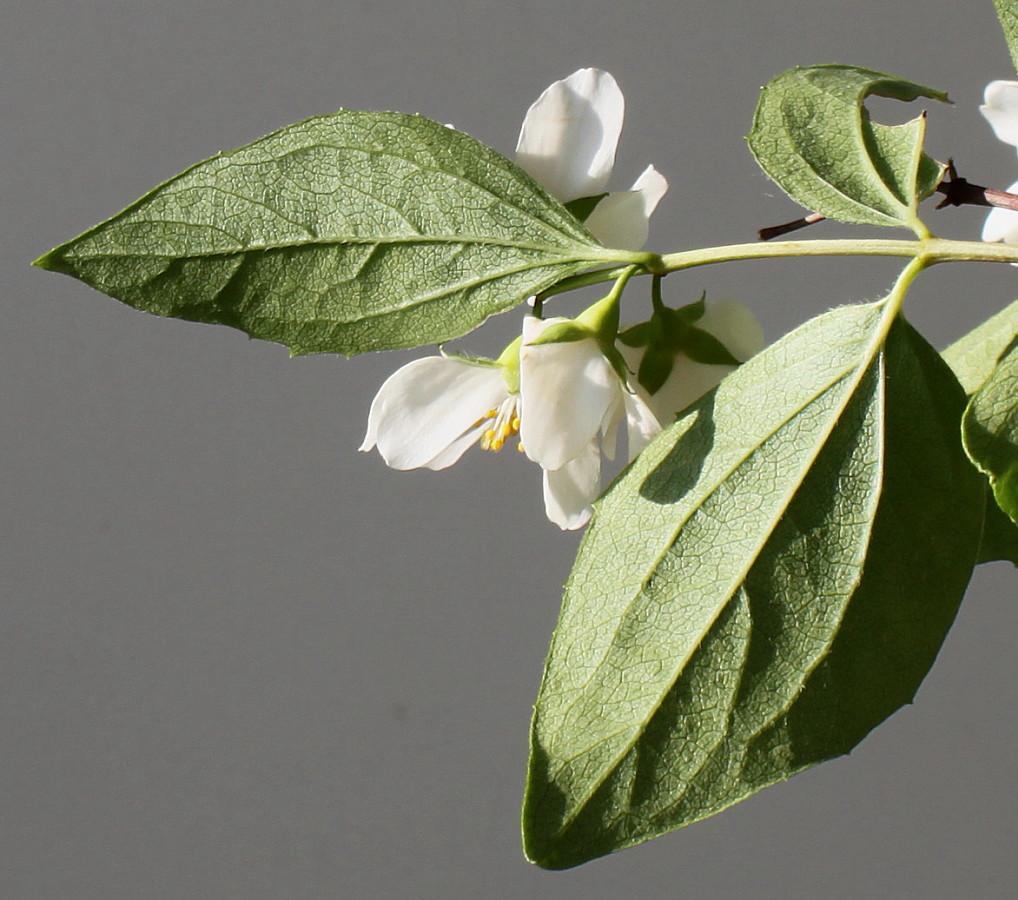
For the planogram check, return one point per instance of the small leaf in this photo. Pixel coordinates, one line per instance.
(974, 356)
(769, 580)
(990, 431)
(814, 137)
(1007, 12)
(343, 233)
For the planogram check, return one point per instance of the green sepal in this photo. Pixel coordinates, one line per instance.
(562, 333)
(668, 333)
(344, 233)
(702, 347)
(582, 207)
(813, 135)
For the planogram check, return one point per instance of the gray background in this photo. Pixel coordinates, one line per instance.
(239, 659)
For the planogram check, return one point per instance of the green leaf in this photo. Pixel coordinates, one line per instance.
(770, 579)
(990, 431)
(1007, 12)
(974, 356)
(814, 137)
(1000, 534)
(343, 233)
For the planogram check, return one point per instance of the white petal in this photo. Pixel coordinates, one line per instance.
(621, 220)
(569, 136)
(566, 389)
(569, 491)
(642, 425)
(1002, 224)
(425, 408)
(735, 325)
(1000, 108)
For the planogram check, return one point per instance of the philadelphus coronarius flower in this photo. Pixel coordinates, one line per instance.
(692, 357)
(564, 399)
(1000, 108)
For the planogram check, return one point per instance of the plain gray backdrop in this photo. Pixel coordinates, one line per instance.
(240, 659)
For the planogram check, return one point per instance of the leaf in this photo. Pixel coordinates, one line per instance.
(769, 580)
(1000, 535)
(1007, 12)
(814, 137)
(990, 431)
(974, 356)
(343, 233)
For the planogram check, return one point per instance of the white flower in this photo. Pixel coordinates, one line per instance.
(735, 327)
(1000, 109)
(567, 144)
(566, 412)
(429, 412)
(573, 402)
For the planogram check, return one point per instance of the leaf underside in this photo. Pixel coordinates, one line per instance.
(343, 233)
(813, 135)
(769, 581)
(1007, 12)
(990, 431)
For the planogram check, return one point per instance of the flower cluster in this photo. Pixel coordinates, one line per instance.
(562, 387)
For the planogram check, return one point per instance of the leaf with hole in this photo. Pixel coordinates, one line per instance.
(813, 135)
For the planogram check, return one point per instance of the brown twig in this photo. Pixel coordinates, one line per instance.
(957, 191)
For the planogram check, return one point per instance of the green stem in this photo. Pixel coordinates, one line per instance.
(931, 250)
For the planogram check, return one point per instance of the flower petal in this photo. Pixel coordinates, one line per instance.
(1002, 224)
(735, 325)
(425, 408)
(621, 220)
(566, 389)
(642, 425)
(1000, 109)
(569, 136)
(569, 491)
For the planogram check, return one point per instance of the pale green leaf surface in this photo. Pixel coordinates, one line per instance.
(813, 135)
(769, 580)
(343, 233)
(974, 356)
(1007, 12)
(990, 431)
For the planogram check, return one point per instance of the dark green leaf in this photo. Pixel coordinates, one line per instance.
(990, 431)
(344, 233)
(1000, 534)
(813, 135)
(767, 582)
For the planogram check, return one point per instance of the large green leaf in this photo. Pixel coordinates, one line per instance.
(990, 431)
(1007, 12)
(343, 233)
(814, 137)
(769, 580)
(975, 355)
